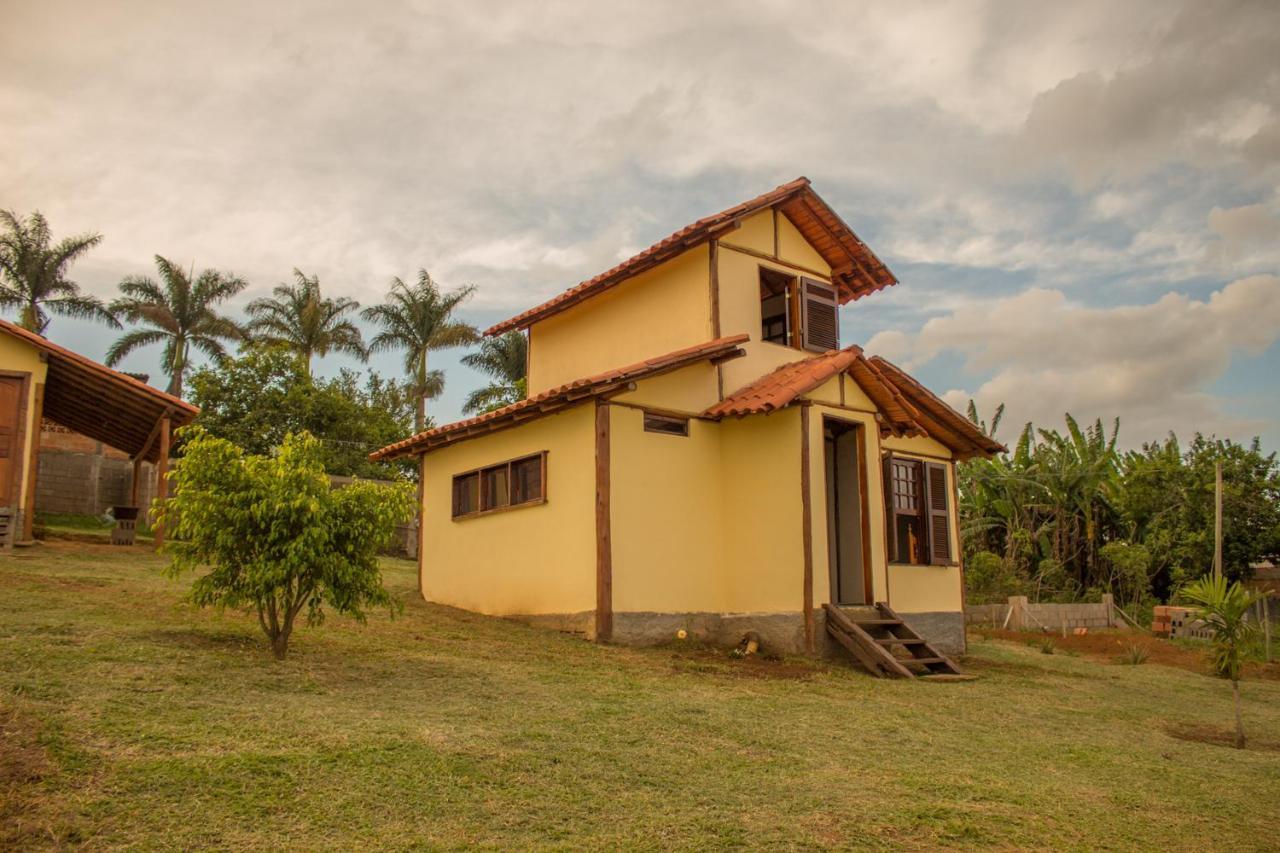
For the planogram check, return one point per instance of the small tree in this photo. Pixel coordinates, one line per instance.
(275, 536)
(1224, 609)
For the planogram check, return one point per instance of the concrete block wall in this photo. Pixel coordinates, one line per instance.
(1021, 615)
(87, 483)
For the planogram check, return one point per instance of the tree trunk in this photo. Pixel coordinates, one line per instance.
(420, 416)
(280, 646)
(1235, 691)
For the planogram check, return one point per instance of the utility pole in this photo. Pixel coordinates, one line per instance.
(1217, 520)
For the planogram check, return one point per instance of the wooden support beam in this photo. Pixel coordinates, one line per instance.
(807, 530)
(155, 431)
(135, 485)
(162, 475)
(604, 542)
(33, 463)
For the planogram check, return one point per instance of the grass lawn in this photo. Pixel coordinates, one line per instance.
(129, 719)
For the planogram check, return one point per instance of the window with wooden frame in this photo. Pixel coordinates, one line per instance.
(918, 510)
(506, 485)
(798, 312)
(777, 293)
(665, 424)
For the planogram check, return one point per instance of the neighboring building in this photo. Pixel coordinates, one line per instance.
(41, 381)
(697, 452)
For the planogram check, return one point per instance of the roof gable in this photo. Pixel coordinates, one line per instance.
(104, 404)
(908, 408)
(855, 269)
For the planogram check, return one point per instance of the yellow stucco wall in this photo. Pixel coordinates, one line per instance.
(689, 390)
(667, 502)
(527, 560)
(793, 248)
(20, 357)
(763, 552)
(756, 233)
(665, 309)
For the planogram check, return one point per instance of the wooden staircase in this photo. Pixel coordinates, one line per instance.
(873, 642)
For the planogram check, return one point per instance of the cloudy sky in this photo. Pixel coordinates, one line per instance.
(1080, 199)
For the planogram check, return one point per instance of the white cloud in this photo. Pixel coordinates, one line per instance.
(1152, 364)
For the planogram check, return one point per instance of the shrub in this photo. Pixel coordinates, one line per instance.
(276, 538)
(1134, 655)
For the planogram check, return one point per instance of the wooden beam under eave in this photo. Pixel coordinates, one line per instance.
(162, 475)
(155, 431)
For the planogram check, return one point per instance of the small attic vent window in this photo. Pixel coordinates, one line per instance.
(667, 424)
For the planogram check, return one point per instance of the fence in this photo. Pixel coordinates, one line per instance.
(1019, 614)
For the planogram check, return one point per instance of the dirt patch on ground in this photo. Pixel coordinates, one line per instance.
(720, 662)
(23, 765)
(1110, 646)
(1218, 736)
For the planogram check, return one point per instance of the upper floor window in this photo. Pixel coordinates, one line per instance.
(798, 312)
(513, 483)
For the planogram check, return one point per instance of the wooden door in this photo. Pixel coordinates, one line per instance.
(11, 429)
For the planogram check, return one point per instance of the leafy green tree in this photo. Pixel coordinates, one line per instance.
(33, 274)
(503, 359)
(275, 537)
(258, 398)
(180, 313)
(419, 319)
(1225, 609)
(300, 318)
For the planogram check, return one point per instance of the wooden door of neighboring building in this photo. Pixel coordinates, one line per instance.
(11, 429)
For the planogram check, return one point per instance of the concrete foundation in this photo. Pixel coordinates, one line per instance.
(780, 633)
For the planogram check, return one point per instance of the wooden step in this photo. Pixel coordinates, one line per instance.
(924, 660)
(865, 622)
(893, 641)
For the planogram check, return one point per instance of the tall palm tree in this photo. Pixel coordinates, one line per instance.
(33, 274)
(504, 359)
(299, 318)
(180, 313)
(418, 318)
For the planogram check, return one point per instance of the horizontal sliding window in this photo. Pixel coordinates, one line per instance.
(516, 482)
(654, 422)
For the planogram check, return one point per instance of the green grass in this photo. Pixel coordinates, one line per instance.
(130, 719)
(84, 528)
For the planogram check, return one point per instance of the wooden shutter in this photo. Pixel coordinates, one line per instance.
(891, 520)
(937, 513)
(819, 326)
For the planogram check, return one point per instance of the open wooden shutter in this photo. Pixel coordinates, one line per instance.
(819, 324)
(937, 507)
(891, 522)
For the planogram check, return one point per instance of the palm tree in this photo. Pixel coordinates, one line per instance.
(1224, 610)
(418, 319)
(181, 315)
(504, 359)
(300, 319)
(33, 274)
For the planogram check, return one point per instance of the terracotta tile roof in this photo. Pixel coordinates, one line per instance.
(778, 389)
(907, 407)
(856, 271)
(104, 404)
(562, 397)
(940, 420)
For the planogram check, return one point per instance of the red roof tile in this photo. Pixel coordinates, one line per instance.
(856, 271)
(940, 420)
(561, 397)
(778, 389)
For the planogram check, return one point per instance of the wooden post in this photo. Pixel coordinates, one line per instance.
(1110, 601)
(33, 464)
(135, 485)
(806, 533)
(604, 544)
(1266, 627)
(1217, 519)
(422, 520)
(162, 476)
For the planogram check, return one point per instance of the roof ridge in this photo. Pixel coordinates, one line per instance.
(795, 198)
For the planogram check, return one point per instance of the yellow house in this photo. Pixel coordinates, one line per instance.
(698, 451)
(38, 380)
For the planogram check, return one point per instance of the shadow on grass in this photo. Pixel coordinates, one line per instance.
(1218, 736)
